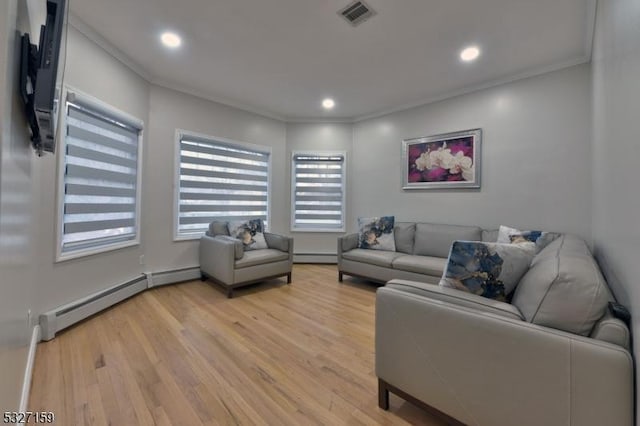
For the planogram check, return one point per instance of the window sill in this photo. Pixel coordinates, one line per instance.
(323, 230)
(76, 254)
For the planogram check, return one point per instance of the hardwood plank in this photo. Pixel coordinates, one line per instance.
(185, 354)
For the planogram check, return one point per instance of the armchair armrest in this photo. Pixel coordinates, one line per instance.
(217, 258)
(457, 297)
(347, 242)
(484, 369)
(279, 242)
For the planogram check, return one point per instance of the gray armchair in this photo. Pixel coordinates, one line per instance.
(223, 260)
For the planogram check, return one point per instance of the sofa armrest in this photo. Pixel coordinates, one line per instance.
(457, 297)
(217, 258)
(347, 242)
(484, 369)
(279, 242)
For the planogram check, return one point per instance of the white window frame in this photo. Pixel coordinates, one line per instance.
(188, 236)
(293, 191)
(70, 94)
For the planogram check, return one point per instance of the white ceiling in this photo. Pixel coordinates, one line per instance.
(282, 57)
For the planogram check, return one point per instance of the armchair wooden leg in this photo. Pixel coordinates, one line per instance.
(289, 278)
(383, 395)
(339, 276)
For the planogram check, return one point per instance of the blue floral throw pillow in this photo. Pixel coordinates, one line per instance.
(251, 233)
(541, 239)
(376, 233)
(487, 269)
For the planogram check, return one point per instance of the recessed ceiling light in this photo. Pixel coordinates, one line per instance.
(328, 103)
(470, 53)
(171, 40)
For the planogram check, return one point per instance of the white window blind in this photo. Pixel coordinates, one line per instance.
(100, 178)
(318, 182)
(220, 181)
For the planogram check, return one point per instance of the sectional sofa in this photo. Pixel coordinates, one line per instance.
(421, 252)
(553, 356)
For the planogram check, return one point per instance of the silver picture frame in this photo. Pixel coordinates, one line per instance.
(444, 161)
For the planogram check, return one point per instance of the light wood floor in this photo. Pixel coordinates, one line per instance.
(186, 355)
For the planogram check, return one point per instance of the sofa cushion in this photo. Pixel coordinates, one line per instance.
(376, 233)
(487, 269)
(373, 257)
(218, 228)
(490, 235)
(564, 288)
(260, 257)
(404, 233)
(250, 233)
(435, 239)
(427, 265)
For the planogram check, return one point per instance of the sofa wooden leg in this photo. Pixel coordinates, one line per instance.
(229, 293)
(289, 278)
(203, 277)
(339, 276)
(383, 395)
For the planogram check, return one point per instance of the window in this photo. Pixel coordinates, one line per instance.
(100, 181)
(317, 187)
(219, 180)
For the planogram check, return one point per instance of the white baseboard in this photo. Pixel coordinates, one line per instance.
(28, 371)
(329, 258)
(156, 279)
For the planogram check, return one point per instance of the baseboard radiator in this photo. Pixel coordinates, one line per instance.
(64, 316)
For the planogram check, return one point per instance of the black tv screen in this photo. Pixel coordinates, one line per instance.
(41, 76)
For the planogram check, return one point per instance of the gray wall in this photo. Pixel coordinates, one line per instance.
(616, 150)
(17, 168)
(318, 137)
(93, 71)
(535, 161)
(171, 110)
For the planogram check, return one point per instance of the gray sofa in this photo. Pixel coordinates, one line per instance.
(421, 252)
(553, 356)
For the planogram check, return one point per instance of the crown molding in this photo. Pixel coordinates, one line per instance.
(476, 88)
(93, 35)
(217, 99)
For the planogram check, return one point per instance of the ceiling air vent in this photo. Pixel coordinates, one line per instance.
(357, 12)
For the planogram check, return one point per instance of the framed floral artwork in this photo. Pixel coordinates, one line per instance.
(450, 160)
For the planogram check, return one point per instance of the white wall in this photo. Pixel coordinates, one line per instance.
(616, 150)
(171, 110)
(318, 137)
(17, 165)
(536, 157)
(93, 71)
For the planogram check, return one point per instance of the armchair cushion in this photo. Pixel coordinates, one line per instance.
(250, 233)
(278, 242)
(260, 257)
(218, 228)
